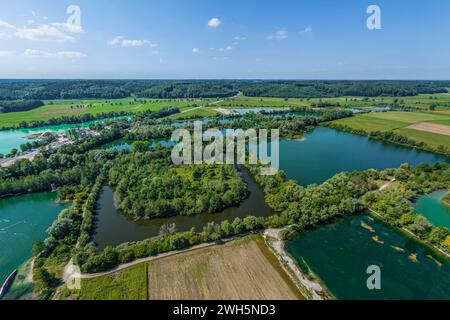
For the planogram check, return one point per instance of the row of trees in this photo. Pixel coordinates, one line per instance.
(393, 137)
(173, 89)
(330, 89)
(19, 105)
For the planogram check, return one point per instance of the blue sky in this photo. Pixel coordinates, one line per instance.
(283, 39)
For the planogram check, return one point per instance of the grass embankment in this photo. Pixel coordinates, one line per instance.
(60, 108)
(402, 123)
(239, 269)
(128, 284)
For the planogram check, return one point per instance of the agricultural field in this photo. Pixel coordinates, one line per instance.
(59, 108)
(241, 269)
(411, 124)
(422, 101)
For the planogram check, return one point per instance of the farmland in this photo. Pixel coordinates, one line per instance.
(242, 269)
(239, 269)
(402, 123)
(60, 108)
(422, 101)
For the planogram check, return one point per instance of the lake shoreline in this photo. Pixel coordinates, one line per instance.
(311, 289)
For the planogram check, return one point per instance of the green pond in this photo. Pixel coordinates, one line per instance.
(23, 221)
(431, 207)
(10, 139)
(340, 253)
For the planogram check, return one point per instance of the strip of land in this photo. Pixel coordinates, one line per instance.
(431, 127)
(239, 269)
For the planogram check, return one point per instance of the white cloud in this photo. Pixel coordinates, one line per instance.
(279, 35)
(33, 13)
(33, 53)
(195, 50)
(68, 27)
(237, 38)
(214, 23)
(227, 48)
(6, 30)
(55, 32)
(6, 54)
(123, 42)
(308, 29)
(43, 33)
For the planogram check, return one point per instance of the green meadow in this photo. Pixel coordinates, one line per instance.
(127, 284)
(399, 121)
(60, 108)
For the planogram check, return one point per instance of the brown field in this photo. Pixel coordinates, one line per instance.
(241, 269)
(431, 127)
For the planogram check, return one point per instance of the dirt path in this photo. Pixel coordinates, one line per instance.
(386, 185)
(135, 262)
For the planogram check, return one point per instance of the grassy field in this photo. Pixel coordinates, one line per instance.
(202, 112)
(399, 122)
(128, 284)
(59, 108)
(423, 101)
(242, 269)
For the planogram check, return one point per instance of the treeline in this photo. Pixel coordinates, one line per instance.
(330, 89)
(393, 137)
(159, 89)
(19, 105)
(114, 89)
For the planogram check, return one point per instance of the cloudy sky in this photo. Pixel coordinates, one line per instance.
(283, 39)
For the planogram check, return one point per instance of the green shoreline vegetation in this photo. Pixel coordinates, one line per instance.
(73, 168)
(147, 185)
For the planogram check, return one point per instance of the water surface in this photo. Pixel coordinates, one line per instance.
(431, 207)
(340, 253)
(23, 221)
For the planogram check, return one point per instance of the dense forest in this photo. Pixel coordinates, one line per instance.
(111, 89)
(19, 105)
(148, 185)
